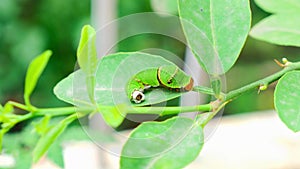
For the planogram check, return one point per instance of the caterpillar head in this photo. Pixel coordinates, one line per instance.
(137, 96)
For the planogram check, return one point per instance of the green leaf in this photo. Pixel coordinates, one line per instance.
(173, 143)
(87, 57)
(113, 73)
(113, 115)
(282, 28)
(34, 71)
(66, 91)
(86, 51)
(279, 6)
(286, 100)
(216, 31)
(41, 127)
(278, 29)
(1, 108)
(47, 139)
(8, 108)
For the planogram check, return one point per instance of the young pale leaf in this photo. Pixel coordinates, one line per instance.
(34, 71)
(280, 29)
(41, 127)
(1, 108)
(48, 138)
(216, 31)
(87, 57)
(86, 51)
(8, 108)
(279, 6)
(173, 143)
(286, 100)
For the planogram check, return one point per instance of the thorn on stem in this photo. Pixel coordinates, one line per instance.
(284, 63)
(279, 63)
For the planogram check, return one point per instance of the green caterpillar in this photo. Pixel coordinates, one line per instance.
(169, 76)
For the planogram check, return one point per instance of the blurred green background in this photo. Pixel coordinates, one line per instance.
(28, 27)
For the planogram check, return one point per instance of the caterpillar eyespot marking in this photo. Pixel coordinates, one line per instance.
(138, 96)
(169, 76)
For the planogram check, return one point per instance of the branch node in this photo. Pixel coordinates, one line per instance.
(215, 104)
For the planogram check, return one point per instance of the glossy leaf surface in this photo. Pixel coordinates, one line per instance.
(173, 143)
(286, 100)
(216, 31)
(281, 28)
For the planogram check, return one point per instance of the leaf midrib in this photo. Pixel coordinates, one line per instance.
(212, 25)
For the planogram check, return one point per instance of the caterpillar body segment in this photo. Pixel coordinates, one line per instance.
(169, 76)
